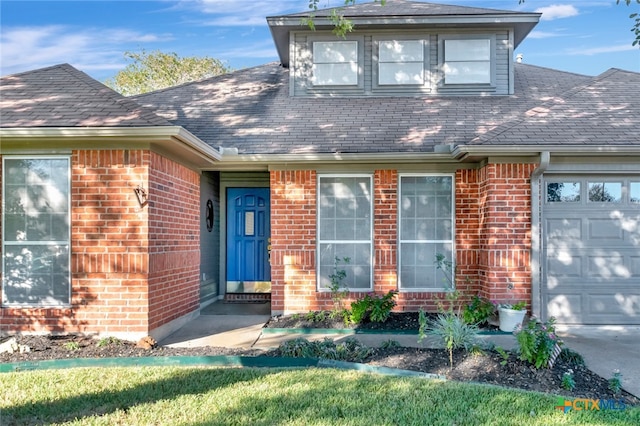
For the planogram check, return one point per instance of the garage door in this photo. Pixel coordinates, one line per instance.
(591, 272)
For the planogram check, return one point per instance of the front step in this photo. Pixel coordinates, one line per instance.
(247, 297)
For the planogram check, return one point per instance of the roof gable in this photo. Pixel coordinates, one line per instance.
(62, 96)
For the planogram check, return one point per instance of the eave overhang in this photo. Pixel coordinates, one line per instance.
(174, 141)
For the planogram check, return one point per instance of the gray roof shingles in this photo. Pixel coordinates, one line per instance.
(251, 110)
(403, 8)
(604, 111)
(62, 96)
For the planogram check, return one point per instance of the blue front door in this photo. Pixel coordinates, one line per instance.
(248, 232)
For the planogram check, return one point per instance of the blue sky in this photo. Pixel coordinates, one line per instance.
(582, 36)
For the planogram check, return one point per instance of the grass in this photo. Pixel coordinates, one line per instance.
(201, 396)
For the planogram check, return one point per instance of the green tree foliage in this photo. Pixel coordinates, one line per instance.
(157, 70)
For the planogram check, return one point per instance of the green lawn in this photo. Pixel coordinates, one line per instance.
(249, 396)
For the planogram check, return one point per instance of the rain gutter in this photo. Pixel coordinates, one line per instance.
(536, 233)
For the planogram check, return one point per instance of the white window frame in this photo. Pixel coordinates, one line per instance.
(383, 60)
(319, 62)
(439, 286)
(320, 242)
(447, 79)
(67, 243)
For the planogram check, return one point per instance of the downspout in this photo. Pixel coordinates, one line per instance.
(536, 234)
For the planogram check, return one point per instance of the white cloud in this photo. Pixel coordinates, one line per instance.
(557, 11)
(543, 34)
(604, 49)
(27, 48)
(234, 13)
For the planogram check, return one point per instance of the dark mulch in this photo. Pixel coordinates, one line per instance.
(487, 367)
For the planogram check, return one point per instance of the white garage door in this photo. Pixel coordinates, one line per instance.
(591, 234)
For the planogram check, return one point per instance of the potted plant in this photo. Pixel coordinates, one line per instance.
(511, 315)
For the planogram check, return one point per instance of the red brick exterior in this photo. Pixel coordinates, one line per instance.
(119, 248)
(492, 238)
(174, 241)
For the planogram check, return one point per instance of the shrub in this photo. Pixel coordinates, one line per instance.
(453, 332)
(373, 307)
(538, 343)
(478, 311)
(349, 350)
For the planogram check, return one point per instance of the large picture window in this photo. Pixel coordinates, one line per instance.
(335, 63)
(426, 216)
(467, 61)
(345, 230)
(35, 231)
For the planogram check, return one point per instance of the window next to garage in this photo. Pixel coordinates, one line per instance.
(35, 231)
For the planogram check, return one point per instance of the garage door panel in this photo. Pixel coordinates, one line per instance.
(594, 308)
(564, 229)
(565, 307)
(605, 229)
(592, 250)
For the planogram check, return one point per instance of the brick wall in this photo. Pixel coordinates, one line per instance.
(174, 240)
(109, 261)
(293, 242)
(492, 238)
(505, 231)
(133, 268)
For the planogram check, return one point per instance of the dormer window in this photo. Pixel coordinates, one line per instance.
(400, 62)
(467, 61)
(335, 63)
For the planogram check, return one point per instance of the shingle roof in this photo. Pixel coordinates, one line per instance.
(62, 96)
(251, 110)
(403, 8)
(604, 111)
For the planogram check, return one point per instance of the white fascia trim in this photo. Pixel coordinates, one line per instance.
(499, 18)
(459, 152)
(404, 157)
(148, 134)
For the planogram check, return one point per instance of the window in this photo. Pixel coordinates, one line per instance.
(345, 229)
(605, 192)
(35, 231)
(467, 61)
(426, 216)
(634, 192)
(335, 63)
(400, 62)
(563, 192)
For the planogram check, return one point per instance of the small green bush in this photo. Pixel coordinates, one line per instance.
(453, 332)
(537, 342)
(478, 311)
(349, 350)
(373, 307)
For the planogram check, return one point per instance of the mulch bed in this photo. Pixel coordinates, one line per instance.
(487, 367)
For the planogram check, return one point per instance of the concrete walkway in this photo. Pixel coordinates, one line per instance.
(226, 325)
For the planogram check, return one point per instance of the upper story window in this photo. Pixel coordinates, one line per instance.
(335, 63)
(400, 62)
(467, 61)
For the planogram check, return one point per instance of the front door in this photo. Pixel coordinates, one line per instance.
(248, 232)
